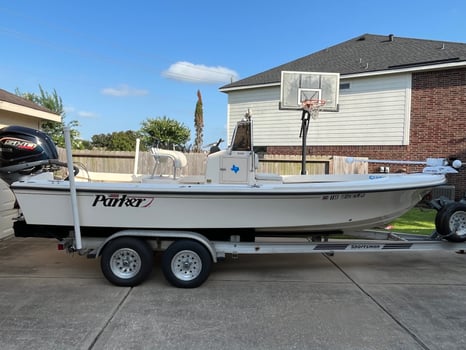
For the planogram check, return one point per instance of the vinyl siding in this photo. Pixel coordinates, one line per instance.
(373, 111)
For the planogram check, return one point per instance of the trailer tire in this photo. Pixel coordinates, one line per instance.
(186, 264)
(127, 261)
(450, 222)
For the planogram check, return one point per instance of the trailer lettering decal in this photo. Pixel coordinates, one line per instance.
(122, 200)
(365, 246)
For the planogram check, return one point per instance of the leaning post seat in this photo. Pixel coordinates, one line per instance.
(178, 158)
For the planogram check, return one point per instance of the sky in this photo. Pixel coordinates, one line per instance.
(117, 63)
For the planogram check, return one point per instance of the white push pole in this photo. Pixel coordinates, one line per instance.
(434, 165)
(351, 160)
(74, 199)
(136, 158)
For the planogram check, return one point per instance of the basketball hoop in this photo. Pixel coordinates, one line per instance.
(313, 107)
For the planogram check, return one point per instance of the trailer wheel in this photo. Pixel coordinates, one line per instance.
(186, 264)
(127, 261)
(450, 222)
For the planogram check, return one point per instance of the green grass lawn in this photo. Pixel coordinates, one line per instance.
(417, 220)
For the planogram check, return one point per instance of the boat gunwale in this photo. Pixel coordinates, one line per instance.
(233, 192)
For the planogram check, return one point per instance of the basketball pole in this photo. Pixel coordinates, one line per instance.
(305, 119)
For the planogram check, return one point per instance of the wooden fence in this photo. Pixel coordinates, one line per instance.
(123, 162)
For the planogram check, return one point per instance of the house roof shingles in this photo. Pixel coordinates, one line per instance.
(362, 54)
(17, 100)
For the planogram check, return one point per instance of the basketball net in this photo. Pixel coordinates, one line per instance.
(313, 107)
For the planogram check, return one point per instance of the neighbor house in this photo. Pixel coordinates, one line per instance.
(400, 98)
(15, 110)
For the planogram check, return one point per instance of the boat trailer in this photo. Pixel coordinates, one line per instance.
(127, 256)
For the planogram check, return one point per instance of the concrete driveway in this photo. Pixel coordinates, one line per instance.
(404, 300)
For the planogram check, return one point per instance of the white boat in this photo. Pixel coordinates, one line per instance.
(339, 203)
(231, 197)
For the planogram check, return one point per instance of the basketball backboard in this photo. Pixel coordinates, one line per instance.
(297, 87)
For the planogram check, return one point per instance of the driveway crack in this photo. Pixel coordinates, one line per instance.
(110, 318)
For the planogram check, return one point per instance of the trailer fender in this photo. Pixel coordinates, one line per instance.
(169, 235)
(440, 202)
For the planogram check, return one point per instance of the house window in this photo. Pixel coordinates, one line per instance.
(344, 86)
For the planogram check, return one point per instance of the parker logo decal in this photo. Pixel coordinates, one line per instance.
(122, 200)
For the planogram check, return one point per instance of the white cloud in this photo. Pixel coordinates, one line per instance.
(123, 90)
(199, 73)
(86, 114)
(83, 114)
(69, 109)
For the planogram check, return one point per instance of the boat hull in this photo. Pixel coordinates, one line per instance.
(305, 207)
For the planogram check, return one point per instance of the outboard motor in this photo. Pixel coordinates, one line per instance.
(25, 152)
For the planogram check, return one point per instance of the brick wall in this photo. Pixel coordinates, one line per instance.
(438, 126)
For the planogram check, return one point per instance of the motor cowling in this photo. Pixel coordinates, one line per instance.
(24, 152)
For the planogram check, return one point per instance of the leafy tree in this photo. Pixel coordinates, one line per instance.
(116, 141)
(123, 140)
(167, 131)
(86, 144)
(101, 141)
(198, 123)
(55, 130)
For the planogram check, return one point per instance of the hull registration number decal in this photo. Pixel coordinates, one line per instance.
(332, 197)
